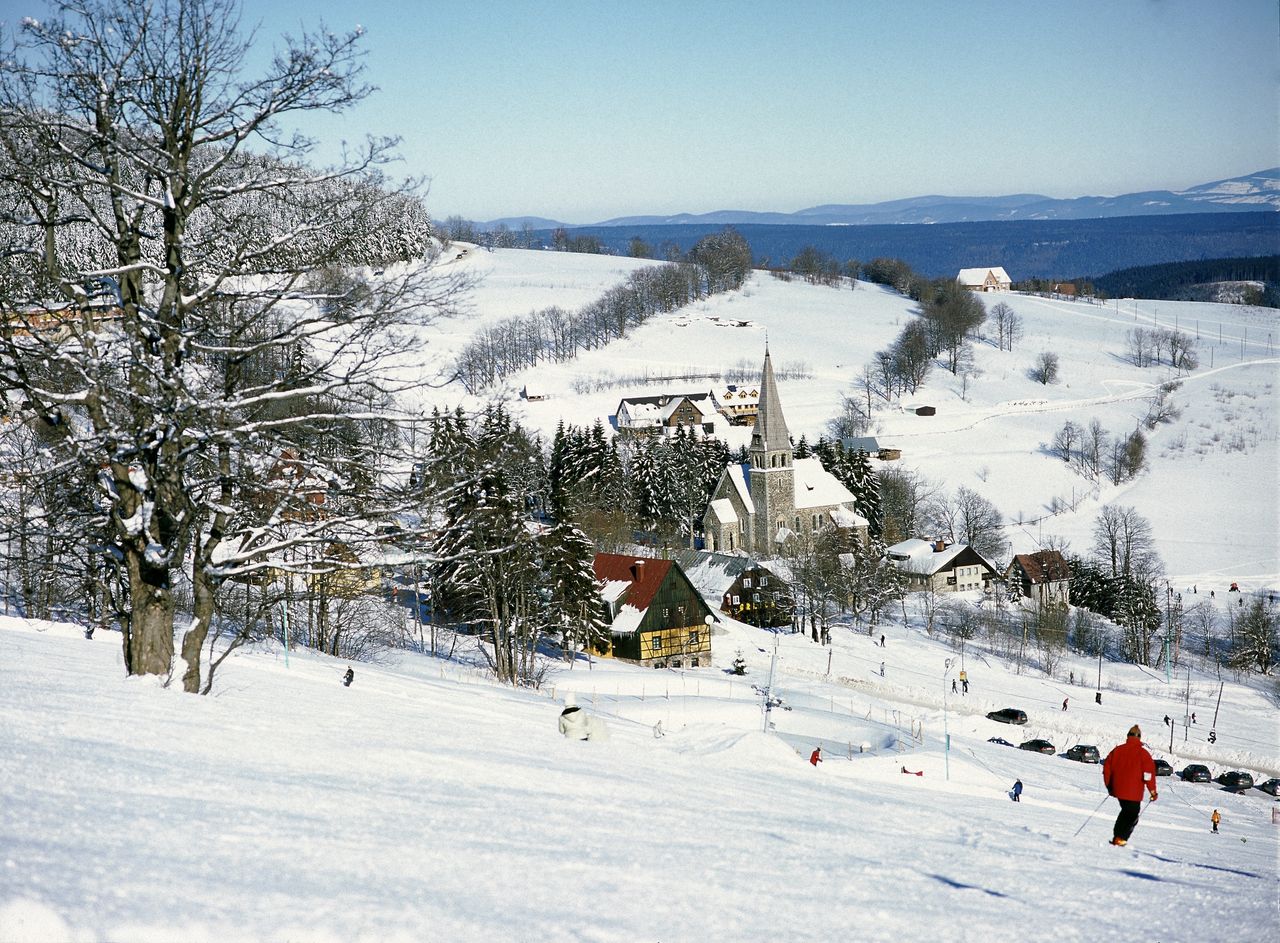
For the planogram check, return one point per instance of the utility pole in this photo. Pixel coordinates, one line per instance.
(946, 731)
(768, 690)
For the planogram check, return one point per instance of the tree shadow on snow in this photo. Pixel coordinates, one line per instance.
(965, 887)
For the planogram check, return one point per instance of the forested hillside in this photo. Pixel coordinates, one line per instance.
(1200, 280)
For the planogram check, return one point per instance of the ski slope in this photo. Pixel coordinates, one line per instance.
(427, 802)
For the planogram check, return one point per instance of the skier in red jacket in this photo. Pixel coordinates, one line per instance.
(1126, 771)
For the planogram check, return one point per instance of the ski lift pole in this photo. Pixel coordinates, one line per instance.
(946, 730)
(284, 620)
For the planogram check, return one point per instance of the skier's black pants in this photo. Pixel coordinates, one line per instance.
(1130, 809)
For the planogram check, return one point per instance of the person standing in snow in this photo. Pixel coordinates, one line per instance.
(816, 756)
(348, 678)
(964, 682)
(1064, 702)
(882, 669)
(1017, 790)
(1126, 771)
(1215, 819)
(953, 685)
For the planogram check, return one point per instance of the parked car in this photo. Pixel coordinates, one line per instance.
(1236, 780)
(1038, 746)
(1083, 753)
(1008, 715)
(1271, 786)
(1163, 768)
(1005, 743)
(1196, 773)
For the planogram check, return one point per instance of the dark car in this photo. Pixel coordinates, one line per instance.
(1083, 753)
(1038, 746)
(1236, 780)
(1163, 768)
(1196, 773)
(1008, 715)
(1001, 741)
(1271, 786)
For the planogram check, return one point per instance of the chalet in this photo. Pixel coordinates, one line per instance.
(57, 324)
(648, 415)
(738, 404)
(655, 615)
(935, 565)
(985, 279)
(532, 393)
(1042, 579)
(747, 591)
(758, 505)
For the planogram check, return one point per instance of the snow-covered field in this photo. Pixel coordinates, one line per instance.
(427, 802)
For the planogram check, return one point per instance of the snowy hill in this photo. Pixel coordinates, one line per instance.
(1212, 490)
(427, 802)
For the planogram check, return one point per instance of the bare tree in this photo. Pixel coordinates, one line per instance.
(1065, 439)
(217, 403)
(1045, 368)
(1123, 540)
(1008, 325)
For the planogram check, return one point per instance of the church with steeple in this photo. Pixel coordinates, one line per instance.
(758, 505)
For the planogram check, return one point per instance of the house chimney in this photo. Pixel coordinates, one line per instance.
(637, 570)
(939, 545)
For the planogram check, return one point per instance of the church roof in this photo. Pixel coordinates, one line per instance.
(770, 432)
(816, 487)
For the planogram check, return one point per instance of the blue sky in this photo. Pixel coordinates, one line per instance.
(582, 111)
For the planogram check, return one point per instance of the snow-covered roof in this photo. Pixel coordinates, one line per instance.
(843, 517)
(978, 276)
(722, 508)
(817, 487)
(612, 590)
(734, 395)
(712, 573)
(919, 556)
(627, 620)
(738, 475)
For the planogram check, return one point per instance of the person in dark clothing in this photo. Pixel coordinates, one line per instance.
(348, 678)
(1064, 702)
(1097, 698)
(1126, 771)
(1017, 790)
(953, 685)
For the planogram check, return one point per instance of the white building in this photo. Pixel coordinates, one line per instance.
(985, 279)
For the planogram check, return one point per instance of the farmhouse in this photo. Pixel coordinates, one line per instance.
(757, 505)
(647, 415)
(1042, 579)
(655, 615)
(985, 279)
(936, 566)
(747, 590)
(871, 445)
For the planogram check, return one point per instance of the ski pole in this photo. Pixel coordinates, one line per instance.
(1091, 815)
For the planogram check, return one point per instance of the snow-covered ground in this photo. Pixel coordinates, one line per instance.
(1213, 490)
(427, 802)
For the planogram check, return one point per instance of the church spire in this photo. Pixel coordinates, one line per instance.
(770, 434)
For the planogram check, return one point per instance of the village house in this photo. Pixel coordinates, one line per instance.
(664, 413)
(985, 279)
(747, 591)
(655, 615)
(936, 566)
(738, 404)
(758, 505)
(871, 445)
(1042, 579)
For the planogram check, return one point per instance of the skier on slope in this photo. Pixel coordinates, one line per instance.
(816, 756)
(1126, 771)
(1016, 794)
(1215, 819)
(348, 678)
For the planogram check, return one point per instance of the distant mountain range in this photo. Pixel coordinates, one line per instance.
(1253, 192)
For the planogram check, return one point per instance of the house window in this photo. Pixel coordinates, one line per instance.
(693, 637)
(764, 581)
(737, 601)
(666, 612)
(657, 642)
(680, 609)
(746, 583)
(755, 597)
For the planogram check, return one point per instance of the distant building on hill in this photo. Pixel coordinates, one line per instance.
(664, 413)
(985, 279)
